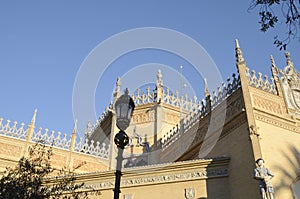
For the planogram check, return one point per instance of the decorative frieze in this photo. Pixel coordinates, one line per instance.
(167, 178)
(143, 117)
(9, 150)
(267, 104)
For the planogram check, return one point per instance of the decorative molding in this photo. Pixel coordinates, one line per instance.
(159, 179)
(276, 122)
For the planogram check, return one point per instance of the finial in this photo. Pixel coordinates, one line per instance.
(75, 127)
(33, 117)
(206, 88)
(288, 59)
(238, 52)
(89, 126)
(118, 85)
(117, 92)
(159, 81)
(88, 129)
(31, 127)
(274, 69)
(237, 45)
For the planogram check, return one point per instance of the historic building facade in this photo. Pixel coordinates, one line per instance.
(186, 148)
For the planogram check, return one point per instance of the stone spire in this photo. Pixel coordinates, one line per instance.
(238, 53)
(159, 87)
(272, 60)
(88, 129)
(73, 136)
(74, 128)
(117, 92)
(33, 118)
(273, 68)
(31, 126)
(159, 81)
(206, 88)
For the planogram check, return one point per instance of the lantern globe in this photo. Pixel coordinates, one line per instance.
(124, 107)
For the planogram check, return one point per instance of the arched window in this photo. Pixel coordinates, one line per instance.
(296, 189)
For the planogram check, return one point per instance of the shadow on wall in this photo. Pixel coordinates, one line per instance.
(291, 172)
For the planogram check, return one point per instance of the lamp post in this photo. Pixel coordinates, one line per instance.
(124, 107)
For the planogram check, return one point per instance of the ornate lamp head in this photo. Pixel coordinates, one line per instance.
(124, 107)
(121, 139)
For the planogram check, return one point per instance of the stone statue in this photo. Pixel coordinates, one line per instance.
(264, 176)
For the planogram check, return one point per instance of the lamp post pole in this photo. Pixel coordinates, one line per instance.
(124, 107)
(121, 140)
(118, 174)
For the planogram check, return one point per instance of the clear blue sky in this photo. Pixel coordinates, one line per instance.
(44, 43)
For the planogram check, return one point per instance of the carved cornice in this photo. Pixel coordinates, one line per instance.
(164, 173)
(279, 122)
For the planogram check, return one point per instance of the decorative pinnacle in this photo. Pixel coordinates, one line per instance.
(273, 67)
(238, 52)
(206, 88)
(117, 92)
(288, 59)
(75, 128)
(33, 117)
(272, 60)
(118, 85)
(159, 81)
(88, 127)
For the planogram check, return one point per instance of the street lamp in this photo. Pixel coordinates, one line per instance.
(124, 107)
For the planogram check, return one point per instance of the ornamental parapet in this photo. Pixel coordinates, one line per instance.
(53, 139)
(208, 104)
(261, 82)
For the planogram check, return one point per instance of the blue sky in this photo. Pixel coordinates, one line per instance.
(43, 46)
